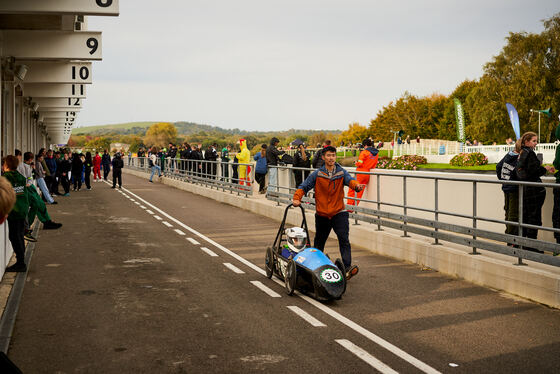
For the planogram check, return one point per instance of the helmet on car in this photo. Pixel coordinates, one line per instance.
(296, 238)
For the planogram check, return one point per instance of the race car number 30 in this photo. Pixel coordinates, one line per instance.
(331, 276)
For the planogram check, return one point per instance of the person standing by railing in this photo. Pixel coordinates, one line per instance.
(505, 170)
(272, 154)
(225, 162)
(367, 160)
(302, 159)
(152, 163)
(556, 191)
(244, 157)
(329, 181)
(261, 169)
(317, 158)
(529, 169)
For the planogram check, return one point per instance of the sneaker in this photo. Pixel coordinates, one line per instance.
(66, 194)
(17, 268)
(30, 238)
(54, 202)
(113, 187)
(120, 187)
(352, 271)
(151, 181)
(50, 225)
(89, 188)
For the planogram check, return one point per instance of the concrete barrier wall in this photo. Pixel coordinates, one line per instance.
(537, 282)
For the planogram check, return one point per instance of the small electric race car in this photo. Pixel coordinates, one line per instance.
(302, 267)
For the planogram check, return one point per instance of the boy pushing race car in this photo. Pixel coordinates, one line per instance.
(329, 181)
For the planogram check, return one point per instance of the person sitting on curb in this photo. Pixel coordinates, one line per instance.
(329, 181)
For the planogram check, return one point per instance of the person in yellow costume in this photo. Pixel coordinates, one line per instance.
(244, 157)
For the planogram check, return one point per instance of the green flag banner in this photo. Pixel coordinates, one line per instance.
(460, 119)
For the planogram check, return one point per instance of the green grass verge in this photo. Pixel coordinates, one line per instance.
(447, 166)
(129, 125)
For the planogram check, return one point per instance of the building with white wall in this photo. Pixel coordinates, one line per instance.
(46, 53)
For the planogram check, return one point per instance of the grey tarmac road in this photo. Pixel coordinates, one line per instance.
(118, 291)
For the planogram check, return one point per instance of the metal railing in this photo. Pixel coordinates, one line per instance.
(218, 174)
(400, 215)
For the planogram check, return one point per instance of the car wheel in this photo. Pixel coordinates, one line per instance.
(269, 263)
(340, 265)
(291, 277)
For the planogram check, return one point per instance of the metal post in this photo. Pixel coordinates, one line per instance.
(474, 252)
(379, 203)
(436, 212)
(519, 228)
(405, 235)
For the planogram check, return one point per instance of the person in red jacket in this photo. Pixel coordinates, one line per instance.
(96, 167)
(329, 181)
(367, 161)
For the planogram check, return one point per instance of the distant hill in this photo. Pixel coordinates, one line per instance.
(183, 128)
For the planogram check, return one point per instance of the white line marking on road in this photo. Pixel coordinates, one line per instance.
(137, 203)
(306, 316)
(133, 200)
(265, 289)
(233, 268)
(158, 218)
(149, 211)
(210, 252)
(143, 207)
(179, 232)
(339, 317)
(193, 241)
(167, 224)
(375, 363)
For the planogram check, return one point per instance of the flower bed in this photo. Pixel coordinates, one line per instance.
(406, 162)
(469, 159)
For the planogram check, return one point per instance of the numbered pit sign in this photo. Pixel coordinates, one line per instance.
(331, 276)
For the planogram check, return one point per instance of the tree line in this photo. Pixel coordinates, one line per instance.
(526, 73)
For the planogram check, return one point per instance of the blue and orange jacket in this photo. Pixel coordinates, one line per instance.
(367, 160)
(329, 192)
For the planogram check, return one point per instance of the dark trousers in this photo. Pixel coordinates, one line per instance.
(65, 183)
(300, 176)
(87, 177)
(338, 223)
(511, 207)
(17, 227)
(106, 170)
(117, 175)
(77, 177)
(556, 214)
(260, 178)
(53, 185)
(533, 200)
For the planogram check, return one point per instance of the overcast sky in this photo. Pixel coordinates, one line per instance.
(308, 64)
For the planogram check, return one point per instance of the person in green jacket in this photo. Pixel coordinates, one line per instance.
(556, 191)
(16, 218)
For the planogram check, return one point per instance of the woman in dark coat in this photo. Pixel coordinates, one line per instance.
(77, 167)
(302, 159)
(529, 169)
(88, 164)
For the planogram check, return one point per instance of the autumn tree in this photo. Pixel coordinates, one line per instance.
(355, 134)
(161, 134)
(99, 143)
(526, 74)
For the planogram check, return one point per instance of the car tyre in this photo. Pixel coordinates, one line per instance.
(291, 277)
(269, 263)
(340, 265)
